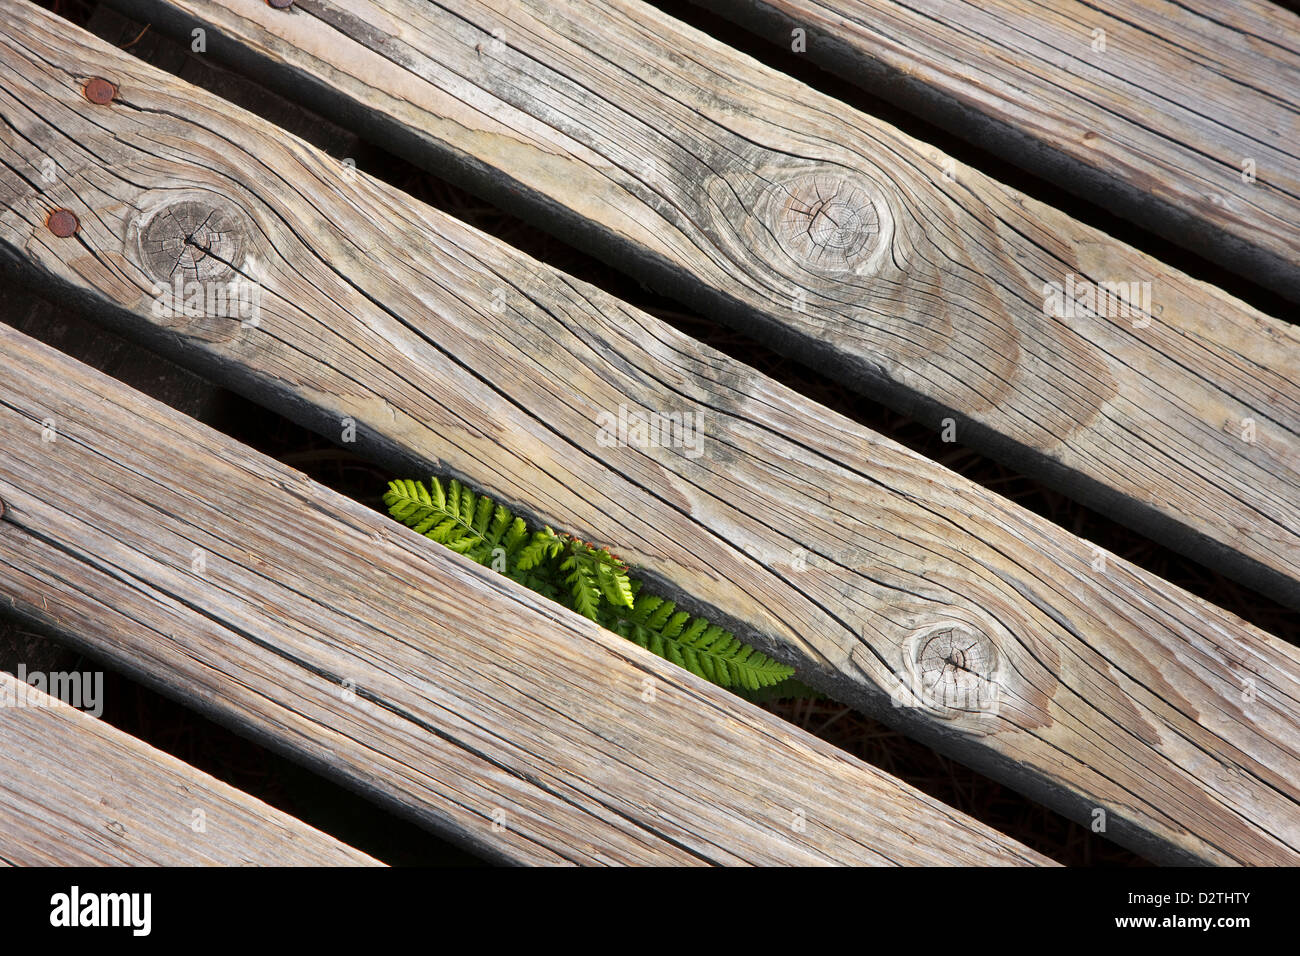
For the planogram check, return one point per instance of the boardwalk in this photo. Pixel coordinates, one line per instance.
(480, 710)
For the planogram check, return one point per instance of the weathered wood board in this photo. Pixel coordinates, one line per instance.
(467, 702)
(1181, 115)
(75, 791)
(1157, 399)
(1083, 681)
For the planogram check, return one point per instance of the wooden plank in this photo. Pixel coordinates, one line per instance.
(1181, 115)
(75, 791)
(474, 705)
(730, 185)
(816, 539)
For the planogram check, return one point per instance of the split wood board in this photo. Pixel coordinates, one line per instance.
(76, 791)
(1181, 115)
(1162, 401)
(1083, 681)
(336, 635)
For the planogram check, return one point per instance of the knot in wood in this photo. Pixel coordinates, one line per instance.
(955, 669)
(825, 221)
(198, 240)
(201, 250)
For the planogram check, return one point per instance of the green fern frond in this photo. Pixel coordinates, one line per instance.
(586, 578)
(583, 586)
(543, 545)
(614, 584)
(702, 648)
(470, 524)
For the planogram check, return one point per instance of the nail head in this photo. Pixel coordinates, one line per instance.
(63, 223)
(280, 4)
(99, 91)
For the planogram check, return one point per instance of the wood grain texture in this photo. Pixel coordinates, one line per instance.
(825, 544)
(1155, 126)
(834, 237)
(75, 791)
(335, 634)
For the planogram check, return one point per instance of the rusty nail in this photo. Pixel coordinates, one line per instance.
(63, 223)
(280, 4)
(99, 91)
